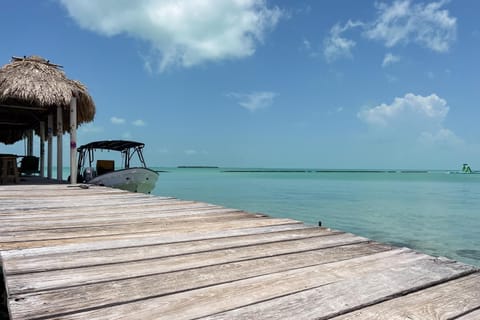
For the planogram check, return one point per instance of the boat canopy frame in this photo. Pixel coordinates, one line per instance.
(128, 149)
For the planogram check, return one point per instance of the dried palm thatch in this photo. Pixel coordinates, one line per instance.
(30, 89)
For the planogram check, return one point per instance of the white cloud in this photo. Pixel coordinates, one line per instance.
(336, 46)
(190, 152)
(426, 24)
(443, 137)
(398, 22)
(391, 78)
(308, 48)
(409, 109)
(335, 110)
(390, 59)
(163, 150)
(184, 33)
(139, 123)
(411, 117)
(117, 120)
(127, 135)
(255, 100)
(90, 128)
(307, 45)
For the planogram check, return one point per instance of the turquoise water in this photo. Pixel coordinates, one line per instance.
(436, 213)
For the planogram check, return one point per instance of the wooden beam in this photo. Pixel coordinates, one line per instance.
(16, 124)
(73, 140)
(30, 142)
(50, 145)
(59, 143)
(42, 148)
(29, 108)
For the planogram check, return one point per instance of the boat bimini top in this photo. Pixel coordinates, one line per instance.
(127, 148)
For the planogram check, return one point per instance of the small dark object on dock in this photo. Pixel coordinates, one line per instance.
(319, 223)
(81, 186)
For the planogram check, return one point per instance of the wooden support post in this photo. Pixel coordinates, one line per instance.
(29, 143)
(59, 143)
(73, 140)
(42, 148)
(50, 146)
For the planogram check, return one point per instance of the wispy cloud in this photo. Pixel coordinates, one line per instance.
(90, 128)
(117, 120)
(183, 33)
(308, 48)
(443, 137)
(190, 152)
(163, 150)
(397, 23)
(390, 59)
(307, 45)
(425, 24)
(335, 110)
(139, 123)
(391, 78)
(255, 100)
(337, 46)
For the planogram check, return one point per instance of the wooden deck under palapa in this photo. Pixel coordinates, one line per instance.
(100, 253)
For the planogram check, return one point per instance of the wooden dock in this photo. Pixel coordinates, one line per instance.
(100, 253)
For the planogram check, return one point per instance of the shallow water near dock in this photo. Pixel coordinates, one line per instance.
(433, 212)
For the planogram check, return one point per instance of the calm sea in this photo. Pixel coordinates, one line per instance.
(432, 212)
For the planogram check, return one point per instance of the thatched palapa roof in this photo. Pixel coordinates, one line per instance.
(30, 89)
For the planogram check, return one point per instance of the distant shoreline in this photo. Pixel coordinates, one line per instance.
(197, 167)
(324, 171)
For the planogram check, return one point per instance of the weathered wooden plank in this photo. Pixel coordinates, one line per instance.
(10, 206)
(53, 190)
(185, 216)
(74, 299)
(35, 193)
(70, 201)
(42, 192)
(66, 233)
(100, 209)
(222, 297)
(136, 240)
(166, 205)
(106, 272)
(35, 260)
(444, 301)
(57, 188)
(57, 198)
(473, 315)
(355, 293)
(168, 233)
(161, 223)
(124, 213)
(139, 214)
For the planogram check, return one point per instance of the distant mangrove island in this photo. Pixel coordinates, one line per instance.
(197, 167)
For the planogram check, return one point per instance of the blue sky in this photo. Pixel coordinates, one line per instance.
(251, 83)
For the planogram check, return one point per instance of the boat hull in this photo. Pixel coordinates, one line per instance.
(141, 180)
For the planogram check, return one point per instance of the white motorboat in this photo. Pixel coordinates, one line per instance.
(136, 178)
